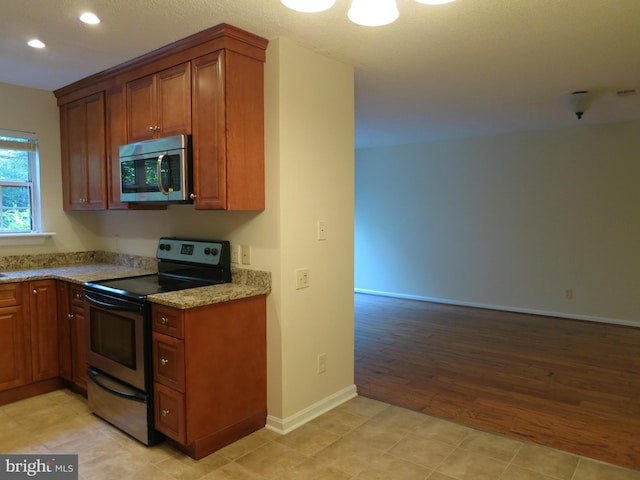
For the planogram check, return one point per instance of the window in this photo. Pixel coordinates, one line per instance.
(19, 212)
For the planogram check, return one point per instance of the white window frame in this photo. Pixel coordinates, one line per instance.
(33, 183)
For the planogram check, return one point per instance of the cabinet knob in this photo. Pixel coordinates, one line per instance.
(78, 295)
(193, 196)
(35, 292)
(164, 320)
(165, 412)
(164, 361)
(70, 316)
(155, 128)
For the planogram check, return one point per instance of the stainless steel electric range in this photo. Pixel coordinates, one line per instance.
(118, 330)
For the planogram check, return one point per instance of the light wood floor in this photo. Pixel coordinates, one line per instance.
(567, 384)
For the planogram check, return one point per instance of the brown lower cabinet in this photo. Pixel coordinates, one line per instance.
(210, 373)
(29, 349)
(73, 364)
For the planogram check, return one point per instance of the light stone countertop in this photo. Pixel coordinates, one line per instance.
(245, 282)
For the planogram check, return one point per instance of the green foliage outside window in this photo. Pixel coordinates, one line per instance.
(16, 156)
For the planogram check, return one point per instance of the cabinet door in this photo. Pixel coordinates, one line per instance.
(159, 105)
(116, 136)
(83, 154)
(15, 360)
(64, 330)
(174, 100)
(141, 109)
(209, 142)
(44, 329)
(78, 340)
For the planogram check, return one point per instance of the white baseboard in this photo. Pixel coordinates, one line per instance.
(286, 425)
(588, 318)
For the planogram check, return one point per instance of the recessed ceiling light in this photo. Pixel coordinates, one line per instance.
(35, 43)
(89, 18)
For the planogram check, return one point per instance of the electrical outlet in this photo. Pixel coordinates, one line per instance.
(322, 230)
(322, 363)
(246, 254)
(236, 254)
(302, 278)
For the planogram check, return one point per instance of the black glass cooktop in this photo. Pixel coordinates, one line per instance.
(141, 286)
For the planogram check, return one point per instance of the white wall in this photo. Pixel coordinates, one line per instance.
(309, 164)
(508, 221)
(32, 110)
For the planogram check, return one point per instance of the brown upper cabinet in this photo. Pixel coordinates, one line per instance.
(209, 85)
(159, 105)
(82, 128)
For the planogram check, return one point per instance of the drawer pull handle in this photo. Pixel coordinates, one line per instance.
(164, 361)
(165, 412)
(164, 320)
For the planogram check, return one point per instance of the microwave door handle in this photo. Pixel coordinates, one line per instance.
(160, 187)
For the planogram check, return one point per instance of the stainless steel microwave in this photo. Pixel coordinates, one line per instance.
(156, 171)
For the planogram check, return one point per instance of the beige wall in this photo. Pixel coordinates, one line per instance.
(510, 221)
(309, 177)
(31, 110)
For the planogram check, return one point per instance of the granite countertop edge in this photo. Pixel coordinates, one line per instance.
(245, 282)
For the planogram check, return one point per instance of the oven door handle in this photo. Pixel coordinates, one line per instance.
(98, 379)
(124, 306)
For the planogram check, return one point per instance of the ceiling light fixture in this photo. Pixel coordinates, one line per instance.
(579, 101)
(308, 6)
(370, 13)
(373, 13)
(35, 43)
(90, 18)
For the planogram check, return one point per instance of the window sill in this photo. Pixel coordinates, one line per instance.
(24, 238)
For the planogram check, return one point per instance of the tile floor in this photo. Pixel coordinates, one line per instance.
(361, 439)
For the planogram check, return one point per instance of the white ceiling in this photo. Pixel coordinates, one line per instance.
(469, 68)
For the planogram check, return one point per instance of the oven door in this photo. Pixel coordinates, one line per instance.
(115, 337)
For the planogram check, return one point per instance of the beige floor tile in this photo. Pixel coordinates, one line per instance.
(592, 470)
(513, 472)
(443, 430)
(339, 422)
(272, 460)
(349, 455)
(314, 469)
(547, 461)
(388, 467)
(363, 406)
(308, 439)
(439, 476)
(186, 468)
(496, 446)
(248, 444)
(428, 452)
(377, 434)
(465, 465)
(232, 471)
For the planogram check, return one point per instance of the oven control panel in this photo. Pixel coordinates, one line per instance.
(204, 252)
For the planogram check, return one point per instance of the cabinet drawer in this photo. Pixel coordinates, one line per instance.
(10, 294)
(170, 413)
(168, 361)
(168, 321)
